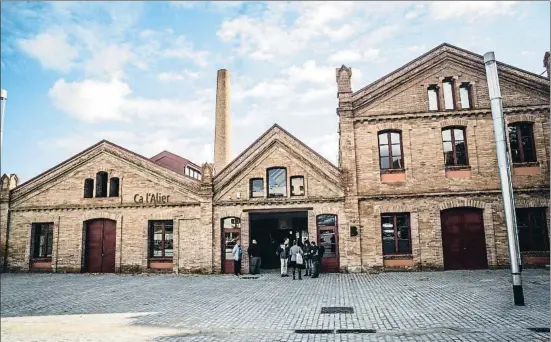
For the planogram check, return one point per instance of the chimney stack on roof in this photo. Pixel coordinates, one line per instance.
(222, 129)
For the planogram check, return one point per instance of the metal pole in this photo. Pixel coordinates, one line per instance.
(3, 99)
(504, 175)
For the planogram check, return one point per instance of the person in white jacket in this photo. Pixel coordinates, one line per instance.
(237, 253)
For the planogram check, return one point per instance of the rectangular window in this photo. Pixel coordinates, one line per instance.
(43, 238)
(297, 186)
(433, 97)
(277, 182)
(396, 234)
(188, 171)
(390, 150)
(532, 230)
(448, 94)
(257, 187)
(465, 95)
(455, 147)
(521, 140)
(160, 238)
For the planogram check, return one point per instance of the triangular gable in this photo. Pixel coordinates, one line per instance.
(140, 163)
(277, 135)
(438, 55)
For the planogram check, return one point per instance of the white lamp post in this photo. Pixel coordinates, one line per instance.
(3, 100)
(504, 175)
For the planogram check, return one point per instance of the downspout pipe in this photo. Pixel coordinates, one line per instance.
(504, 175)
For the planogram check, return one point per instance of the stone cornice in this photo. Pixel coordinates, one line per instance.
(448, 114)
(106, 206)
(279, 201)
(364, 197)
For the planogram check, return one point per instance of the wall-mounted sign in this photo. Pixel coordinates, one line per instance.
(151, 198)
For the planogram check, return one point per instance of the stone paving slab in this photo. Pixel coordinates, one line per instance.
(408, 306)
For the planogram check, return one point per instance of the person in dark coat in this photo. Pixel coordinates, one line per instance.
(254, 254)
(321, 251)
(307, 258)
(314, 255)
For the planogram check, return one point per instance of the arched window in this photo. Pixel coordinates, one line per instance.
(390, 150)
(521, 140)
(114, 187)
(455, 146)
(101, 184)
(277, 182)
(88, 188)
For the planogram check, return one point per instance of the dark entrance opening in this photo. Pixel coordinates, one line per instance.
(271, 229)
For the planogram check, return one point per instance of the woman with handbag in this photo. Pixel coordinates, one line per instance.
(297, 261)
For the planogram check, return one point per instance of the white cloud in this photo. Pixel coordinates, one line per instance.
(470, 9)
(174, 76)
(345, 56)
(51, 49)
(269, 34)
(184, 49)
(96, 101)
(110, 61)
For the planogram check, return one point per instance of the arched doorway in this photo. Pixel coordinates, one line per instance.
(100, 246)
(463, 239)
(328, 237)
(231, 231)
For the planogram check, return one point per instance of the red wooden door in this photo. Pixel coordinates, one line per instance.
(229, 242)
(100, 246)
(328, 237)
(463, 239)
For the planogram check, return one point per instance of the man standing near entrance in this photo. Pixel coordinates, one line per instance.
(237, 253)
(283, 252)
(254, 253)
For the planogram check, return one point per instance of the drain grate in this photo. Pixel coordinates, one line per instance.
(540, 330)
(249, 277)
(314, 331)
(356, 331)
(337, 310)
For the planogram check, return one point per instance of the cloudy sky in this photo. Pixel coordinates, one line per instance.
(143, 74)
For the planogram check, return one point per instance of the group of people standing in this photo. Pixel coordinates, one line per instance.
(299, 256)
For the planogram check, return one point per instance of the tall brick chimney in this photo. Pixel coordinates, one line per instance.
(546, 63)
(222, 129)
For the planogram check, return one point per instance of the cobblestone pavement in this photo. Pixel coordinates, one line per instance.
(417, 306)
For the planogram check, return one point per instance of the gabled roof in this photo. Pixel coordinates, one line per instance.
(435, 55)
(234, 163)
(184, 181)
(173, 161)
(276, 135)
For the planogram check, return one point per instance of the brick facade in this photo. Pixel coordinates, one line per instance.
(399, 102)
(357, 191)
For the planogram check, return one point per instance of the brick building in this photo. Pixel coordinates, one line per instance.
(417, 186)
